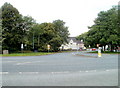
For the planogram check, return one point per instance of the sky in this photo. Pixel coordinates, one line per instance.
(77, 14)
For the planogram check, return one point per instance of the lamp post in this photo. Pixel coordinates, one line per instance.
(22, 46)
(33, 41)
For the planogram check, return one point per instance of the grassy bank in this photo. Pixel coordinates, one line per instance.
(105, 52)
(27, 54)
(31, 53)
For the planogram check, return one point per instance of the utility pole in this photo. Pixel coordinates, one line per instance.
(33, 41)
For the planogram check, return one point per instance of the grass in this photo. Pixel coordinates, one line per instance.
(30, 53)
(26, 54)
(105, 52)
(47, 53)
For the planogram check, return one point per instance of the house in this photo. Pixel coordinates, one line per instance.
(73, 44)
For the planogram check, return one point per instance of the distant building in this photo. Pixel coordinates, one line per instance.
(72, 44)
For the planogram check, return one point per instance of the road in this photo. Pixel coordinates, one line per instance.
(61, 69)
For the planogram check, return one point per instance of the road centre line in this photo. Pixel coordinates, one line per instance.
(28, 72)
(23, 63)
(107, 70)
(50, 72)
(4, 73)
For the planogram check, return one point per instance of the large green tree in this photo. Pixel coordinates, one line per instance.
(18, 29)
(49, 36)
(28, 24)
(12, 27)
(34, 36)
(105, 30)
(83, 37)
(61, 30)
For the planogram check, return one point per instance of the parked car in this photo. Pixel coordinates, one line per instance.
(94, 49)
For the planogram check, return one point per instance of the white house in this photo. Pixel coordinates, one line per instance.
(72, 44)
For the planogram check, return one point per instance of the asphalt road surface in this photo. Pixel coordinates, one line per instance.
(61, 69)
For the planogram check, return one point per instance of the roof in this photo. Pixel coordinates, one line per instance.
(74, 40)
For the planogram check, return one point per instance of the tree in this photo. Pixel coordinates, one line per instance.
(34, 35)
(61, 30)
(18, 29)
(105, 30)
(48, 34)
(11, 25)
(1, 39)
(28, 23)
(83, 37)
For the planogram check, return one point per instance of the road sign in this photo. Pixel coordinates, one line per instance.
(98, 45)
(22, 46)
(48, 47)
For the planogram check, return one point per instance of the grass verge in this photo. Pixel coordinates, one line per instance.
(31, 53)
(26, 54)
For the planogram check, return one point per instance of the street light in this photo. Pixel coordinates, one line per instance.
(22, 46)
(33, 41)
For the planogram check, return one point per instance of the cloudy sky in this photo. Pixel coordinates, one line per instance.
(78, 14)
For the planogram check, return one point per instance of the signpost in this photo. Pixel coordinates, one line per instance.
(22, 47)
(48, 47)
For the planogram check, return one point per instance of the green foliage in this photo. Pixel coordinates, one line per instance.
(83, 37)
(105, 30)
(11, 25)
(61, 30)
(18, 29)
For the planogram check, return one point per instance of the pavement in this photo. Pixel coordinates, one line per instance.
(61, 69)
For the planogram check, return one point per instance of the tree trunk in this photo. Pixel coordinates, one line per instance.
(112, 47)
(109, 46)
(38, 39)
(104, 47)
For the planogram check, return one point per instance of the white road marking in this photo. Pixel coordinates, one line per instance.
(23, 63)
(107, 70)
(20, 72)
(86, 71)
(8, 61)
(28, 72)
(94, 70)
(5, 72)
(60, 72)
(2, 73)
